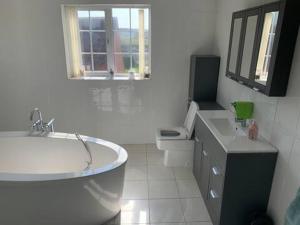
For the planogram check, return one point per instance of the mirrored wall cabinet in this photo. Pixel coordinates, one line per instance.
(261, 47)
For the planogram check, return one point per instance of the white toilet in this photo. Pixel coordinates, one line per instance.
(177, 142)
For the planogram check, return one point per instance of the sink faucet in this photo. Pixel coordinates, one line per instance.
(243, 111)
(243, 122)
(39, 125)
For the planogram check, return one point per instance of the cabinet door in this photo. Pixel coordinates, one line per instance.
(197, 159)
(233, 64)
(268, 38)
(249, 37)
(204, 172)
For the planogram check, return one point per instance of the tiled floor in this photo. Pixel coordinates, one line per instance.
(158, 195)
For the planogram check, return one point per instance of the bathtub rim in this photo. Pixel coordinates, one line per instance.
(28, 177)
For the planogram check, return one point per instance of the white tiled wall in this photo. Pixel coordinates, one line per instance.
(278, 118)
(33, 71)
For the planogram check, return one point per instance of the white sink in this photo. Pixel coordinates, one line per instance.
(227, 127)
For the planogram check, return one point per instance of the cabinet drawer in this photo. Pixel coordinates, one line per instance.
(216, 181)
(214, 205)
(215, 193)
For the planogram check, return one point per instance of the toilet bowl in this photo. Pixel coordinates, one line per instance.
(176, 142)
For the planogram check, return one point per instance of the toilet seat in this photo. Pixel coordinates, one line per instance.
(178, 148)
(183, 135)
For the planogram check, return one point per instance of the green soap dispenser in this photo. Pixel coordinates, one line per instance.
(243, 110)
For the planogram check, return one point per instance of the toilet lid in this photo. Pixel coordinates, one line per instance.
(189, 122)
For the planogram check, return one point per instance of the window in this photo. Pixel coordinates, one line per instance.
(107, 41)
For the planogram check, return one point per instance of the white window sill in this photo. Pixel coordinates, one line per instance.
(116, 77)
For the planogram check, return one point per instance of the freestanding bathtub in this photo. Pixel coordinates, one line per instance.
(44, 180)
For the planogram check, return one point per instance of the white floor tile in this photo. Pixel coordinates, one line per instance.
(162, 189)
(135, 211)
(165, 210)
(188, 188)
(146, 177)
(155, 157)
(135, 172)
(138, 148)
(160, 173)
(135, 190)
(136, 158)
(183, 173)
(194, 210)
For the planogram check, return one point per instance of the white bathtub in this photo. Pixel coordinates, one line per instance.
(43, 180)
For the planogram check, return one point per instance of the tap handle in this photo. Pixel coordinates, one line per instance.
(32, 113)
(50, 124)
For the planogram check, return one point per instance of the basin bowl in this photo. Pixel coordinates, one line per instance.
(227, 127)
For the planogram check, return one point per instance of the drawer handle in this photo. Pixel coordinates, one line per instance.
(196, 139)
(204, 153)
(216, 171)
(213, 194)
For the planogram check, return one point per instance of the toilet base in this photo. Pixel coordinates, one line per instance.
(178, 158)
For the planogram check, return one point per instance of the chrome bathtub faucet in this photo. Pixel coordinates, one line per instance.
(38, 125)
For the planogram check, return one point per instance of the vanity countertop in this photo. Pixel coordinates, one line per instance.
(237, 140)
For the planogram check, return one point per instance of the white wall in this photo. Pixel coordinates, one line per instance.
(33, 71)
(278, 118)
(33, 74)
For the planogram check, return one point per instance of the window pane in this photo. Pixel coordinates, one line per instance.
(121, 18)
(135, 40)
(85, 41)
(147, 64)
(84, 20)
(147, 45)
(121, 41)
(97, 20)
(122, 63)
(135, 18)
(99, 41)
(100, 62)
(135, 63)
(139, 29)
(87, 62)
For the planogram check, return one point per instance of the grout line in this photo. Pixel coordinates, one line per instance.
(163, 198)
(180, 202)
(148, 187)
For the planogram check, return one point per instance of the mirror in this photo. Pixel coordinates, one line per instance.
(248, 45)
(266, 47)
(235, 42)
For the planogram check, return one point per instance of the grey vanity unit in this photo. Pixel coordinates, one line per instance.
(234, 173)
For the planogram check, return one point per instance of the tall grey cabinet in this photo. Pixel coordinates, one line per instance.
(204, 73)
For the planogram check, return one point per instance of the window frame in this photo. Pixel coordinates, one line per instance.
(106, 75)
